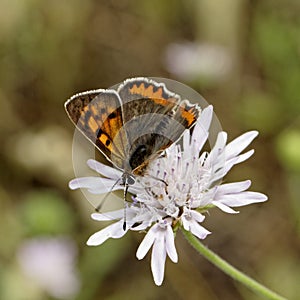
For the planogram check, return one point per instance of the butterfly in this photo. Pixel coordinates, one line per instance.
(132, 125)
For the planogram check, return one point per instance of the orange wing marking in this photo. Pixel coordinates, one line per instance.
(93, 124)
(188, 115)
(104, 139)
(148, 92)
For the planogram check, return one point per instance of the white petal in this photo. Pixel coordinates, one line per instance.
(83, 182)
(108, 216)
(224, 208)
(203, 122)
(185, 223)
(170, 244)
(140, 227)
(241, 199)
(234, 187)
(199, 143)
(206, 117)
(235, 147)
(186, 138)
(218, 148)
(104, 170)
(198, 230)
(192, 225)
(223, 167)
(146, 243)
(197, 216)
(200, 133)
(244, 156)
(112, 231)
(102, 189)
(225, 164)
(158, 258)
(135, 189)
(102, 185)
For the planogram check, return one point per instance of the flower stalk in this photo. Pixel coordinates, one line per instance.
(229, 269)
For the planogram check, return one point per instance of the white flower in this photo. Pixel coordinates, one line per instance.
(50, 263)
(189, 185)
(189, 61)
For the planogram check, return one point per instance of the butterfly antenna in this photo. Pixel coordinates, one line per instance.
(100, 205)
(158, 179)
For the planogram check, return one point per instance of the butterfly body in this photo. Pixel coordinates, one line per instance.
(132, 125)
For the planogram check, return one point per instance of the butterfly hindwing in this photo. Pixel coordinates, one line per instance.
(136, 93)
(154, 118)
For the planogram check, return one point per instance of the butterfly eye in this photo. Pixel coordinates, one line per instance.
(130, 180)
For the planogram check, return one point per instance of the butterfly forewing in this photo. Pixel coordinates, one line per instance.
(97, 114)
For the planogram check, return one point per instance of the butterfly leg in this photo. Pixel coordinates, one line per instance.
(99, 206)
(125, 204)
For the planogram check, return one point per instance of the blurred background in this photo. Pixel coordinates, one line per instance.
(242, 56)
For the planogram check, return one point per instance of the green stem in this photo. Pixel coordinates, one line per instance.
(229, 269)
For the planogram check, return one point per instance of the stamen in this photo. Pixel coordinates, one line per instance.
(165, 174)
(186, 169)
(134, 200)
(190, 203)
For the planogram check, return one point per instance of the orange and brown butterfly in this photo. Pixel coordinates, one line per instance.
(134, 124)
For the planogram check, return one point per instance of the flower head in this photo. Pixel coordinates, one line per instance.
(178, 188)
(51, 264)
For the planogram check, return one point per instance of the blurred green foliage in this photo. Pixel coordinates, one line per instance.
(50, 50)
(55, 219)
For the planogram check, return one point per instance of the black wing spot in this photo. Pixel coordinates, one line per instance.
(112, 115)
(87, 116)
(99, 132)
